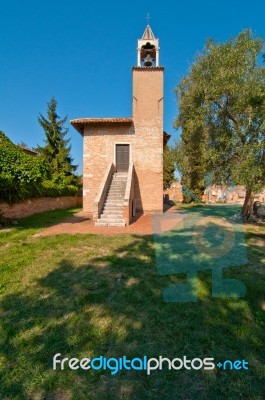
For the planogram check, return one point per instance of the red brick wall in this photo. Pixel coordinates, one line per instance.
(38, 205)
(99, 152)
(148, 101)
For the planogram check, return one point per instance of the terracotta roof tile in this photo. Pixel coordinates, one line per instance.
(79, 123)
(148, 68)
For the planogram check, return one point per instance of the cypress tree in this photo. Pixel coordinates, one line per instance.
(56, 151)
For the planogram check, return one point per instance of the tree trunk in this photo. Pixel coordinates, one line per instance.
(247, 209)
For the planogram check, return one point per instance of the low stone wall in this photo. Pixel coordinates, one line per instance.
(102, 192)
(235, 195)
(38, 205)
(129, 196)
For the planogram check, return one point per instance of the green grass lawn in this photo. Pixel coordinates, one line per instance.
(88, 295)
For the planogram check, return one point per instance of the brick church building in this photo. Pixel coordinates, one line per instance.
(123, 157)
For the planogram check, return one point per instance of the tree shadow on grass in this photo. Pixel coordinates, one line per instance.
(46, 219)
(113, 306)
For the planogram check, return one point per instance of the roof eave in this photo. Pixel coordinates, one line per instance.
(80, 123)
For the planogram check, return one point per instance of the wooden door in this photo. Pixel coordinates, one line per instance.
(122, 157)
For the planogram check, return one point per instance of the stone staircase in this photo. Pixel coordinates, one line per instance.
(111, 214)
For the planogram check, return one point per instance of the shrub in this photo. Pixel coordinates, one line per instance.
(23, 176)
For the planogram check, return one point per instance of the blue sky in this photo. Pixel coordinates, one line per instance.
(81, 52)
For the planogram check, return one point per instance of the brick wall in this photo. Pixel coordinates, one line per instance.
(38, 205)
(148, 123)
(99, 152)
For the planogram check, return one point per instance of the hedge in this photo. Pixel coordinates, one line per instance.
(24, 176)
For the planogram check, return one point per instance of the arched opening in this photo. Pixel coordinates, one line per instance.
(148, 54)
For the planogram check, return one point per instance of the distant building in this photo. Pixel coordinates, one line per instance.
(28, 151)
(215, 194)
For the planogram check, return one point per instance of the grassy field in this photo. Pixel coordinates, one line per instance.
(88, 295)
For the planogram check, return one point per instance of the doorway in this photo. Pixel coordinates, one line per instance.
(122, 157)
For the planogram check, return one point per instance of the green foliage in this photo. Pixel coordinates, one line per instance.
(168, 166)
(23, 176)
(190, 160)
(50, 174)
(20, 173)
(56, 151)
(53, 189)
(221, 112)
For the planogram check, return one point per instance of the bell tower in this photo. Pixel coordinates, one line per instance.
(148, 99)
(148, 50)
(148, 79)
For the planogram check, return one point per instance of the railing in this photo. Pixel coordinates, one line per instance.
(129, 196)
(102, 192)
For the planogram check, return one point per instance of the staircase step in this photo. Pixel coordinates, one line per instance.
(116, 211)
(117, 187)
(114, 203)
(120, 193)
(115, 200)
(121, 188)
(115, 194)
(110, 220)
(111, 215)
(109, 207)
(118, 181)
(120, 175)
(119, 199)
(110, 224)
(112, 211)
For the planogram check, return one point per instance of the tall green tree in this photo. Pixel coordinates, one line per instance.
(57, 149)
(190, 160)
(222, 100)
(168, 166)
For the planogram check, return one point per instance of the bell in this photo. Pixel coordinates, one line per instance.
(148, 61)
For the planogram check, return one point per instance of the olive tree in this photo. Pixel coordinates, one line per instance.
(222, 100)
